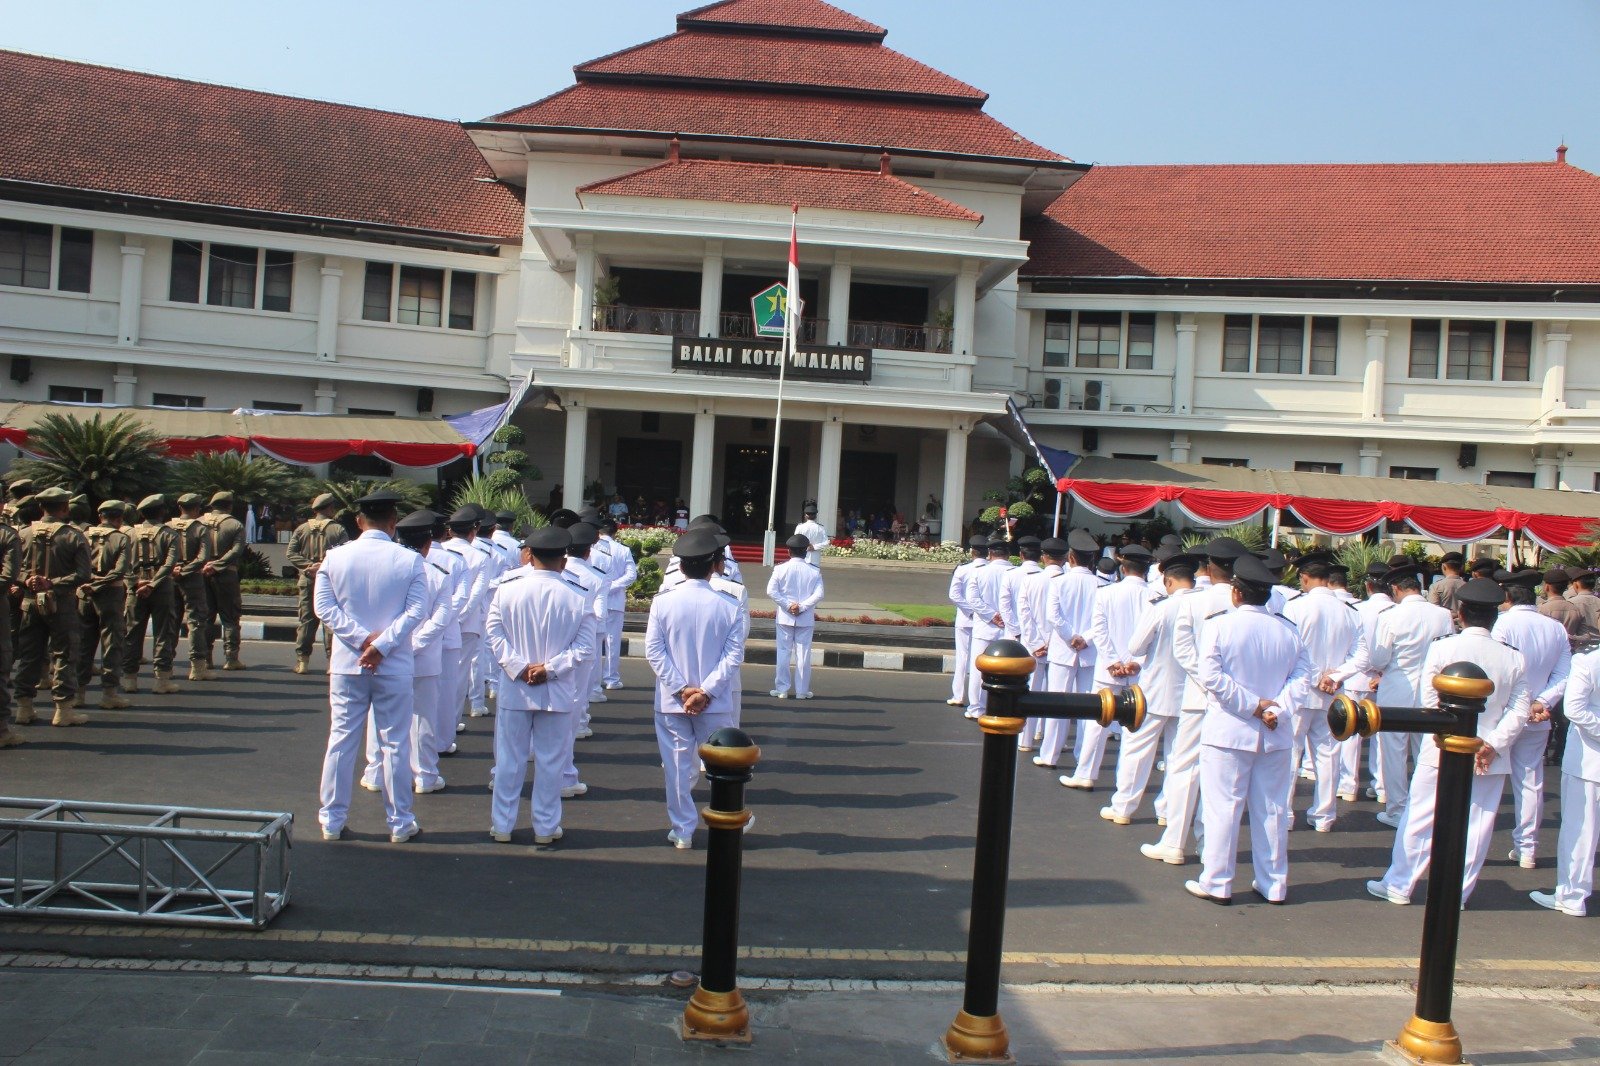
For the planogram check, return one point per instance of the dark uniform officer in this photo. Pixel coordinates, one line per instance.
(154, 552)
(194, 551)
(103, 605)
(54, 562)
(228, 546)
(10, 559)
(308, 545)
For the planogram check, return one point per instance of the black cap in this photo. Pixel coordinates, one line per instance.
(797, 543)
(590, 515)
(1529, 578)
(1249, 570)
(1397, 573)
(809, 510)
(1383, 571)
(1557, 576)
(465, 518)
(997, 543)
(705, 519)
(701, 543)
(379, 499)
(548, 539)
(563, 517)
(1030, 541)
(1400, 560)
(1053, 546)
(582, 534)
(1106, 566)
(1225, 548)
(1452, 557)
(978, 542)
(1181, 559)
(505, 518)
(1486, 564)
(1481, 592)
(417, 521)
(1312, 558)
(1081, 540)
(1135, 551)
(1172, 539)
(1274, 559)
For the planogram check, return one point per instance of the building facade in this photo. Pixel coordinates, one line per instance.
(1416, 321)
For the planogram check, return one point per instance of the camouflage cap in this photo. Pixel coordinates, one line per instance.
(110, 507)
(21, 487)
(327, 499)
(223, 497)
(190, 499)
(152, 502)
(53, 494)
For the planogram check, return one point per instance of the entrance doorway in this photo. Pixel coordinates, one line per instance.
(651, 470)
(867, 484)
(746, 477)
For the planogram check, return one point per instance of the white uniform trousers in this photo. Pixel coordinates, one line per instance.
(977, 699)
(1180, 789)
(1091, 749)
(1413, 841)
(1575, 844)
(1231, 780)
(1135, 760)
(588, 676)
(471, 644)
(794, 642)
(613, 670)
(481, 680)
(1056, 730)
(679, 737)
(548, 734)
(1393, 750)
(447, 705)
(1527, 787)
(1325, 761)
(351, 699)
(962, 665)
(1038, 682)
(1350, 766)
(424, 695)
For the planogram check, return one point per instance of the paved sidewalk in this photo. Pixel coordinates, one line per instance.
(62, 1017)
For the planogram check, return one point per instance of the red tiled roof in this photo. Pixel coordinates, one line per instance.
(810, 15)
(116, 131)
(871, 124)
(771, 183)
(855, 65)
(1447, 222)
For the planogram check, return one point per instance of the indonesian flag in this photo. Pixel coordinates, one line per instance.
(791, 317)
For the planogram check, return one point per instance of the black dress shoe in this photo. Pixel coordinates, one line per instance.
(1262, 896)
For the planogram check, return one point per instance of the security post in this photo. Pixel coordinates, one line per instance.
(716, 1011)
(1463, 688)
(978, 1033)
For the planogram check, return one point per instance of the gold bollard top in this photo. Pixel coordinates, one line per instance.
(1006, 658)
(730, 749)
(1466, 680)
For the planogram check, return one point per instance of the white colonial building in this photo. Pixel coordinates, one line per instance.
(194, 245)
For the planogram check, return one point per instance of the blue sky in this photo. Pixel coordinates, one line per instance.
(1113, 81)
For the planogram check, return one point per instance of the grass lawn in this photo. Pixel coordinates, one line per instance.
(945, 612)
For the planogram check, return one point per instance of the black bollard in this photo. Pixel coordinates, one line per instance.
(716, 1011)
(1430, 1036)
(978, 1033)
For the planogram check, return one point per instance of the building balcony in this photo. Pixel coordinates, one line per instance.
(682, 322)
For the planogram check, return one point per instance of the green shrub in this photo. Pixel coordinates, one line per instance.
(254, 565)
(648, 582)
(648, 540)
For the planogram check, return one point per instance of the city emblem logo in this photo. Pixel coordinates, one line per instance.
(770, 307)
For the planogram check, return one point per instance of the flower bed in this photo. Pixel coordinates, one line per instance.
(904, 552)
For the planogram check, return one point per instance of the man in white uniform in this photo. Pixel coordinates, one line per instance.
(620, 576)
(1580, 793)
(582, 577)
(979, 546)
(478, 573)
(695, 644)
(371, 595)
(1547, 656)
(796, 588)
(1360, 685)
(983, 600)
(720, 581)
(1253, 669)
(1068, 617)
(816, 536)
(1503, 718)
(1011, 587)
(1161, 679)
(541, 632)
(1116, 614)
(502, 560)
(1033, 601)
(1400, 644)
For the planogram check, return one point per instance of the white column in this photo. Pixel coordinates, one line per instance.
(328, 309)
(574, 461)
(1553, 396)
(1376, 371)
(1547, 467)
(1183, 368)
(838, 310)
(702, 458)
(953, 505)
(131, 295)
(964, 305)
(828, 460)
(711, 289)
(1180, 447)
(583, 284)
(325, 395)
(1370, 454)
(122, 385)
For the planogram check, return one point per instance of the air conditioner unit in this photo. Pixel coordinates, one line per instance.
(1052, 393)
(1096, 395)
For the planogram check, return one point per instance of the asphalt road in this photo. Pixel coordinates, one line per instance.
(859, 865)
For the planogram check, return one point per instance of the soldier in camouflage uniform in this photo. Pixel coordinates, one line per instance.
(154, 560)
(54, 562)
(103, 604)
(228, 547)
(307, 547)
(10, 560)
(194, 551)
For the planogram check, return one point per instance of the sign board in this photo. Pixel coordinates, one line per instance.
(759, 358)
(770, 310)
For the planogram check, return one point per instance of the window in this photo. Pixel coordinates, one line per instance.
(1303, 466)
(1281, 344)
(1057, 337)
(1414, 473)
(173, 399)
(1213, 460)
(419, 297)
(1511, 479)
(368, 411)
(375, 296)
(1472, 350)
(275, 405)
(76, 394)
(37, 256)
(463, 299)
(1099, 340)
(1135, 455)
(1141, 340)
(231, 275)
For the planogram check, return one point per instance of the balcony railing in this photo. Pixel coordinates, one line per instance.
(662, 321)
(900, 337)
(675, 321)
(738, 324)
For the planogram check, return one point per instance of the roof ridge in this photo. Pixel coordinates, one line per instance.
(860, 28)
(154, 75)
(578, 67)
(1340, 163)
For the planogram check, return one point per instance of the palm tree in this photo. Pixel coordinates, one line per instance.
(347, 492)
(102, 458)
(491, 496)
(247, 477)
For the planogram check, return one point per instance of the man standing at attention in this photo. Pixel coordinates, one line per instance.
(1547, 657)
(54, 562)
(371, 593)
(1117, 610)
(695, 644)
(308, 545)
(228, 546)
(811, 529)
(150, 599)
(103, 600)
(983, 592)
(979, 546)
(194, 551)
(620, 576)
(1069, 613)
(1400, 643)
(796, 588)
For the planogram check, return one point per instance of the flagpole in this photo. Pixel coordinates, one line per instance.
(791, 315)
